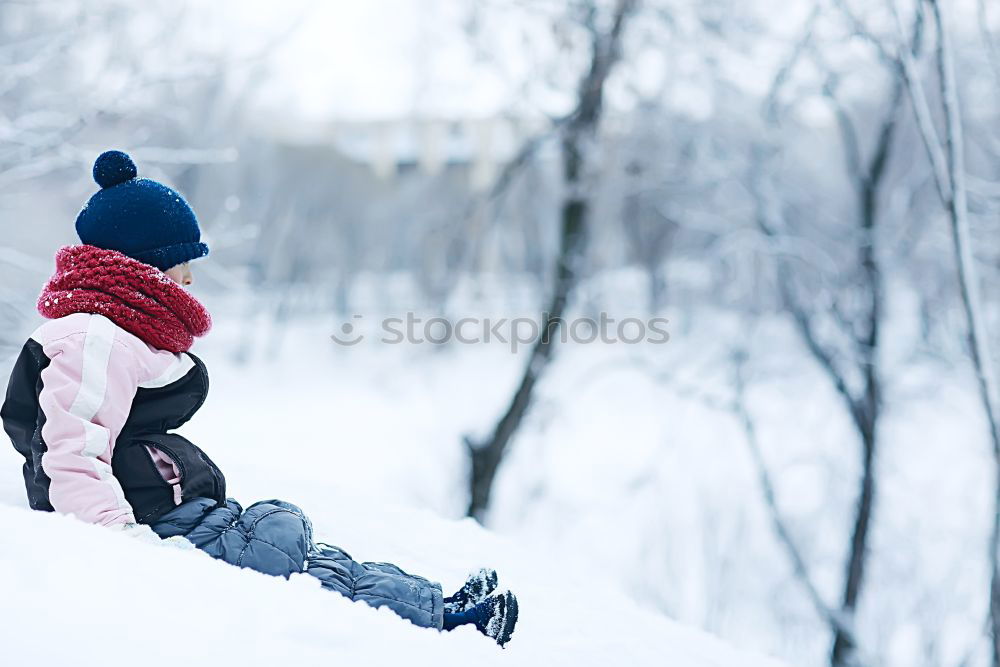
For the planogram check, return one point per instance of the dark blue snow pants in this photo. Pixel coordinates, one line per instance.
(275, 537)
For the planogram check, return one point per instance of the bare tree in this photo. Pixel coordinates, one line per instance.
(575, 134)
(947, 159)
(833, 617)
(957, 205)
(860, 327)
(954, 195)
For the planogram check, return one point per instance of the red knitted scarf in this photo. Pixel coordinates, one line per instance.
(137, 297)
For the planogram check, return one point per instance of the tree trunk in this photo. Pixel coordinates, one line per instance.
(958, 217)
(486, 457)
(866, 411)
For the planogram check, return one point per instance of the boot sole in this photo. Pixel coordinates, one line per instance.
(508, 620)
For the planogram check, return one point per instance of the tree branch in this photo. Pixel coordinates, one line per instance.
(836, 620)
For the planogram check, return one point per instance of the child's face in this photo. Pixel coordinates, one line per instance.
(180, 274)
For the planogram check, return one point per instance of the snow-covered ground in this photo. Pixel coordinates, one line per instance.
(366, 445)
(79, 594)
(627, 515)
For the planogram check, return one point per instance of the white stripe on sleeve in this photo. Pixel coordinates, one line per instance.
(94, 382)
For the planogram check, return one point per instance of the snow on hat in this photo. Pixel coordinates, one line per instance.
(138, 217)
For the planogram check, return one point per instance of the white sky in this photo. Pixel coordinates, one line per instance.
(350, 59)
(362, 58)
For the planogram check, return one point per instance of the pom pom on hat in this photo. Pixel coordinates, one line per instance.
(112, 168)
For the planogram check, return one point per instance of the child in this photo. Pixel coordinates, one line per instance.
(98, 390)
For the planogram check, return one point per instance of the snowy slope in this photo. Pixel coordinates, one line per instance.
(80, 594)
(627, 499)
(377, 469)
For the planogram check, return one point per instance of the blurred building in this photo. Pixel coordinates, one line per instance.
(478, 146)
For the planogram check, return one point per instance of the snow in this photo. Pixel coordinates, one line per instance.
(627, 514)
(81, 594)
(365, 450)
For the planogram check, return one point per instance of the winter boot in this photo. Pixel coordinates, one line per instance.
(495, 617)
(479, 585)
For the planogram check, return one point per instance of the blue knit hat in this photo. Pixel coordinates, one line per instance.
(138, 217)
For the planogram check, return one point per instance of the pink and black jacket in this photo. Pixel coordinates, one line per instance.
(91, 403)
(91, 408)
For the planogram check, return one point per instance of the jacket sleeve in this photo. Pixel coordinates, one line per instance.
(86, 396)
